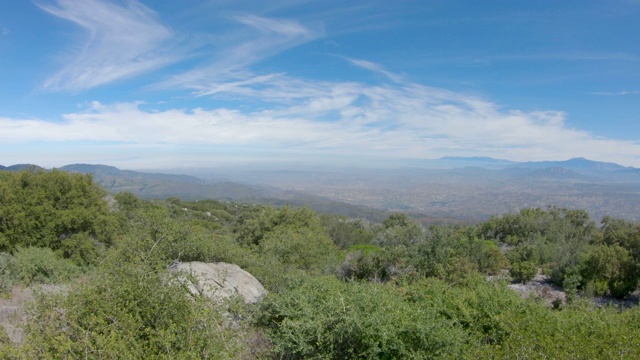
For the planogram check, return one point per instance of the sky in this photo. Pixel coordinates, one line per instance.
(377, 83)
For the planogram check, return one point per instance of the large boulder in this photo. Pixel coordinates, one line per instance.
(219, 281)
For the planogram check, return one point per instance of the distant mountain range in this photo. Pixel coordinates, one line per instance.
(188, 188)
(449, 189)
(576, 164)
(487, 162)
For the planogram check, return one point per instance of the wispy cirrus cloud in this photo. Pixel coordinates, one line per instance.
(121, 41)
(257, 39)
(375, 68)
(616, 93)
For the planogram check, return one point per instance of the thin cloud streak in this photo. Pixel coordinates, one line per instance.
(122, 42)
(258, 39)
(375, 68)
(616, 93)
(287, 28)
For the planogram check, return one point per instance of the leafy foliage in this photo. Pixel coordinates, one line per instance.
(128, 312)
(43, 266)
(61, 211)
(293, 236)
(524, 271)
(324, 318)
(346, 232)
(6, 273)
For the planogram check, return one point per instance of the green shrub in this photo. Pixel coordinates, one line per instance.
(5, 341)
(487, 311)
(365, 262)
(42, 265)
(301, 248)
(611, 265)
(324, 318)
(576, 332)
(460, 270)
(129, 312)
(41, 208)
(398, 229)
(7, 269)
(524, 271)
(346, 232)
(295, 237)
(570, 285)
(81, 248)
(491, 260)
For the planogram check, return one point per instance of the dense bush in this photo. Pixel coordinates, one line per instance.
(133, 312)
(322, 317)
(57, 210)
(365, 262)
(611, 269)
(42, 266)
(579, 332)
(293, 236)
(346, 232)
(7, 271)
(523, 271)
(398, 229)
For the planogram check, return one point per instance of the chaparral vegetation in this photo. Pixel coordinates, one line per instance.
(338, 287)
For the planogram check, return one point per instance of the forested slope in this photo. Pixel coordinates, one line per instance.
(338, 287)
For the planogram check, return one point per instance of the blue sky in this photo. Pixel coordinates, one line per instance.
(153, 84)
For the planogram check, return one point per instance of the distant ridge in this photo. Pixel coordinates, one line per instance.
(474, 158)
(20, 167)
(100, 171)
(579, 163)
(161, 186)
(188, 188)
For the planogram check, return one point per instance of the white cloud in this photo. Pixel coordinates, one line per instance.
(331, 121)
(122, 41)
(257, 39)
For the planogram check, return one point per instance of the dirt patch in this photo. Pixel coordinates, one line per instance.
(12, 308)
(542, 288)
(626, 303)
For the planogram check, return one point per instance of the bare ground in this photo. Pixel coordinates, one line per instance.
(12, 308)
(541, 287)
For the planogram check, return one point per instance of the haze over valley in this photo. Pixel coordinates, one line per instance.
(447, 190)
(461, 191)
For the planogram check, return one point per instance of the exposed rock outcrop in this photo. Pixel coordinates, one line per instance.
(219, 281)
